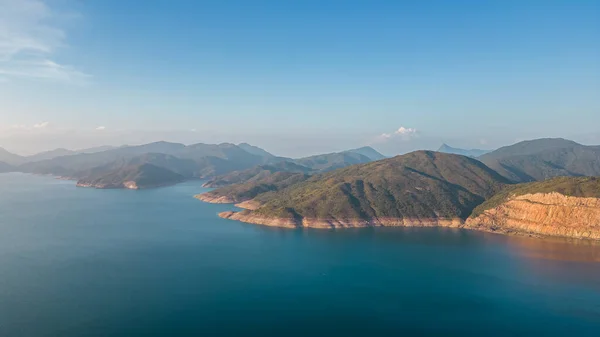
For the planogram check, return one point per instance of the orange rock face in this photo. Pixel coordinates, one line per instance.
(250, 217)
(551, 214)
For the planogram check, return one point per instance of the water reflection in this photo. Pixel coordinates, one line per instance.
(552, 248)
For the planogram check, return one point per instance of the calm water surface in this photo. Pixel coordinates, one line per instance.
(82, 262)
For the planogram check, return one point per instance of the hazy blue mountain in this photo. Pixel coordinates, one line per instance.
(46, 155)
(10, 158)
(136, 176)
(50, 154)
(185, 167)
(445, 148)
(96, 149)
(255, 150)
(4, 167)
(541, 159)
(369, 152)
(197, 160)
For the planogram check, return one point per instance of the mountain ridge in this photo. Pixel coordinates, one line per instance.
(445, 148)
(544, 158)
(419, 185)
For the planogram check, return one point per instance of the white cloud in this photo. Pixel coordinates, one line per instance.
(405, 131)
(29, 40)
(402, 133)
(41, 125)
(101, 128)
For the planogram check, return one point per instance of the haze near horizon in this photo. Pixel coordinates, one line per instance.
(298, 78)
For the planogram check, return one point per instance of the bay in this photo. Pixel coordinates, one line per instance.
(84, 262)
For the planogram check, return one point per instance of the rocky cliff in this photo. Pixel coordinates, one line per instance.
(542, 214)
(249, 217)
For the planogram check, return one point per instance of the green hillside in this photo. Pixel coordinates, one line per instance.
(333, 161)
(144, 175)
(256, 173)
(419, 184)
(543, 159)
(260, 186)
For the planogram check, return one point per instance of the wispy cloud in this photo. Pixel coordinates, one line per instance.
(29, 40)
(41, 125)
(101, 128)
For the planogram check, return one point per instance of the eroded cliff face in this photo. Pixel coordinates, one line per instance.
(253, 218)
(551, 214)
(214, 199)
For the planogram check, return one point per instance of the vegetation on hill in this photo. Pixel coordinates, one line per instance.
(333, 161)
(420, 184)
(260, 186)
(368, 152)
(255, 173)
(308, 165)
(544, 158)
(141, 175)
(585, 187)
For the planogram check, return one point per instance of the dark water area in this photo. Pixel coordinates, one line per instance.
(83, 262)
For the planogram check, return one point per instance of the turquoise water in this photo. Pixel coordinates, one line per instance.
(83, 262)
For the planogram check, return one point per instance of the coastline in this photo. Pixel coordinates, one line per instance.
(206, 197)
(248, 217)
(127, 185)
(474, 224)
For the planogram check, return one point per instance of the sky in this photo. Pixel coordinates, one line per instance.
(298, 77)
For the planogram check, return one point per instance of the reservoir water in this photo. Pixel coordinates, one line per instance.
(83, 262)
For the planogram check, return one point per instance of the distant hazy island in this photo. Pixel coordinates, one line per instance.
(162, 163)
(426, 188)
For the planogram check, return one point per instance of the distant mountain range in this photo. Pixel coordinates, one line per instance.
(14, 159)
(103, 167)
(445, 148)
(541, 159)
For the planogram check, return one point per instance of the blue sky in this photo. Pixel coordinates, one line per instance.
(300, 76)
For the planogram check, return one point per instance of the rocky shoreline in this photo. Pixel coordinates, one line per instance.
(128, 185)
(533, 215)
(543, 214)
(249, 217)
(207, 197)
